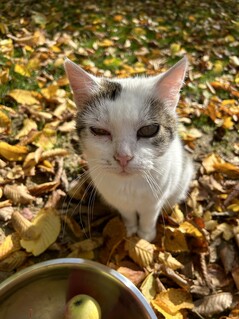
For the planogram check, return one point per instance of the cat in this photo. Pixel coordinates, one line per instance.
(128, 132)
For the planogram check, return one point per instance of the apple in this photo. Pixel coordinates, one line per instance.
(82, 307)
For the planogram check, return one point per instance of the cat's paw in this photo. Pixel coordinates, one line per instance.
(147, 235)
(131, 230)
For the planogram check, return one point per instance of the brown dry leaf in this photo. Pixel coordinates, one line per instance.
(82, 254)
(210, 305)
(169, 261)
(10, 244)
(37, 190)
(73, 225)
(15, 173)
(24, 227)
(53, 153)
(225, 229)
(228, 169)
(210, 161)
(174, 240)
(114, 232)
(173, 301)
(87, 244)
(25, 97)
(19, 194)
(141, 251)
(5, 203)
(149, 287)
(6, 213)
(13, 152)
(32, 158)
(28, 125)
(13, 261)
(135, 276)
(47, 223)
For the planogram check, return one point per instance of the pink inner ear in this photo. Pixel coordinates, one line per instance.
(169, 85)
(81, 82)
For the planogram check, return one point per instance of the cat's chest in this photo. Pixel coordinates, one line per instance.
(126, 193)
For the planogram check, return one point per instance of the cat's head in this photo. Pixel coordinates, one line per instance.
(124, 125)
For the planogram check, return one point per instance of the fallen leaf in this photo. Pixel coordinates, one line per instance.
(25, 97)
(210, 161)
(15, 260)
(169, 261)
(10, 244)
(135, 276)
(141, 251)
(19, 194)
(149, 287)
(24, 227)
(171, 302)
(228, 169)
(37, 190)
(28, 125)
(13, 152)
(87, 244)
(213, 304)
(47, 223)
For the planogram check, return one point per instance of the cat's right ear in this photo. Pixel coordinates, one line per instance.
(82, 83)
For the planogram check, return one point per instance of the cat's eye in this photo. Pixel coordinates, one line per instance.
(148, 131)
(99, 131)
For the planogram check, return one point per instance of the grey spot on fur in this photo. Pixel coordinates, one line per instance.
(110, 90)
(157, 113)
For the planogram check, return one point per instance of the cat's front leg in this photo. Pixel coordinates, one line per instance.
(131, 222)
(147, 223)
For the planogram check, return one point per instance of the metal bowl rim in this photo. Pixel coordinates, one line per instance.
(22, 275)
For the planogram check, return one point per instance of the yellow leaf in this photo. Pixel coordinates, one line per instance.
(223, 229)
(234, 206)
(175, 48)
(4, 122)
(12, 152)
(172, 301)
(25, 97)
(22, 69)
(105, 43)
(169, 261)
(24, 227)
(174, 240)
(50, 91)
(10, 244)
(177, 214)
(15, 260)
(209, 162)
(28, 125)
(141, 251)
(139, 31)
(228, 169)
(190, 229)
(177, 315)
(149, 287)
(46, 139)
(227, 122)
(47, 223)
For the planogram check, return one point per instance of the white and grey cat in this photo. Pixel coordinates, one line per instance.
(128, 132)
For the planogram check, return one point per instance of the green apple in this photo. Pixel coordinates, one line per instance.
(82, 307)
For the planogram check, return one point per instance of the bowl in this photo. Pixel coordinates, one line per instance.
(42, 290)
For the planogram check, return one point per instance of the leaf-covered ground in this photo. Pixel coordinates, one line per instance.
(192, 268)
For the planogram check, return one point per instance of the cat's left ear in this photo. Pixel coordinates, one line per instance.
(169, 84)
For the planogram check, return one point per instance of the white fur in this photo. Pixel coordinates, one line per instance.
(149, 181)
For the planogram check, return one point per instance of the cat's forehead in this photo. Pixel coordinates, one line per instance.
(125, 99)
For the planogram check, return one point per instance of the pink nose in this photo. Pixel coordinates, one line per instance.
(123, 160)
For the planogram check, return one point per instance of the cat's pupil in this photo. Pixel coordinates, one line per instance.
(148, 131)
(99, 131)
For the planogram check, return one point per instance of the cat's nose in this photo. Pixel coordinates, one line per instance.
(123, 160)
